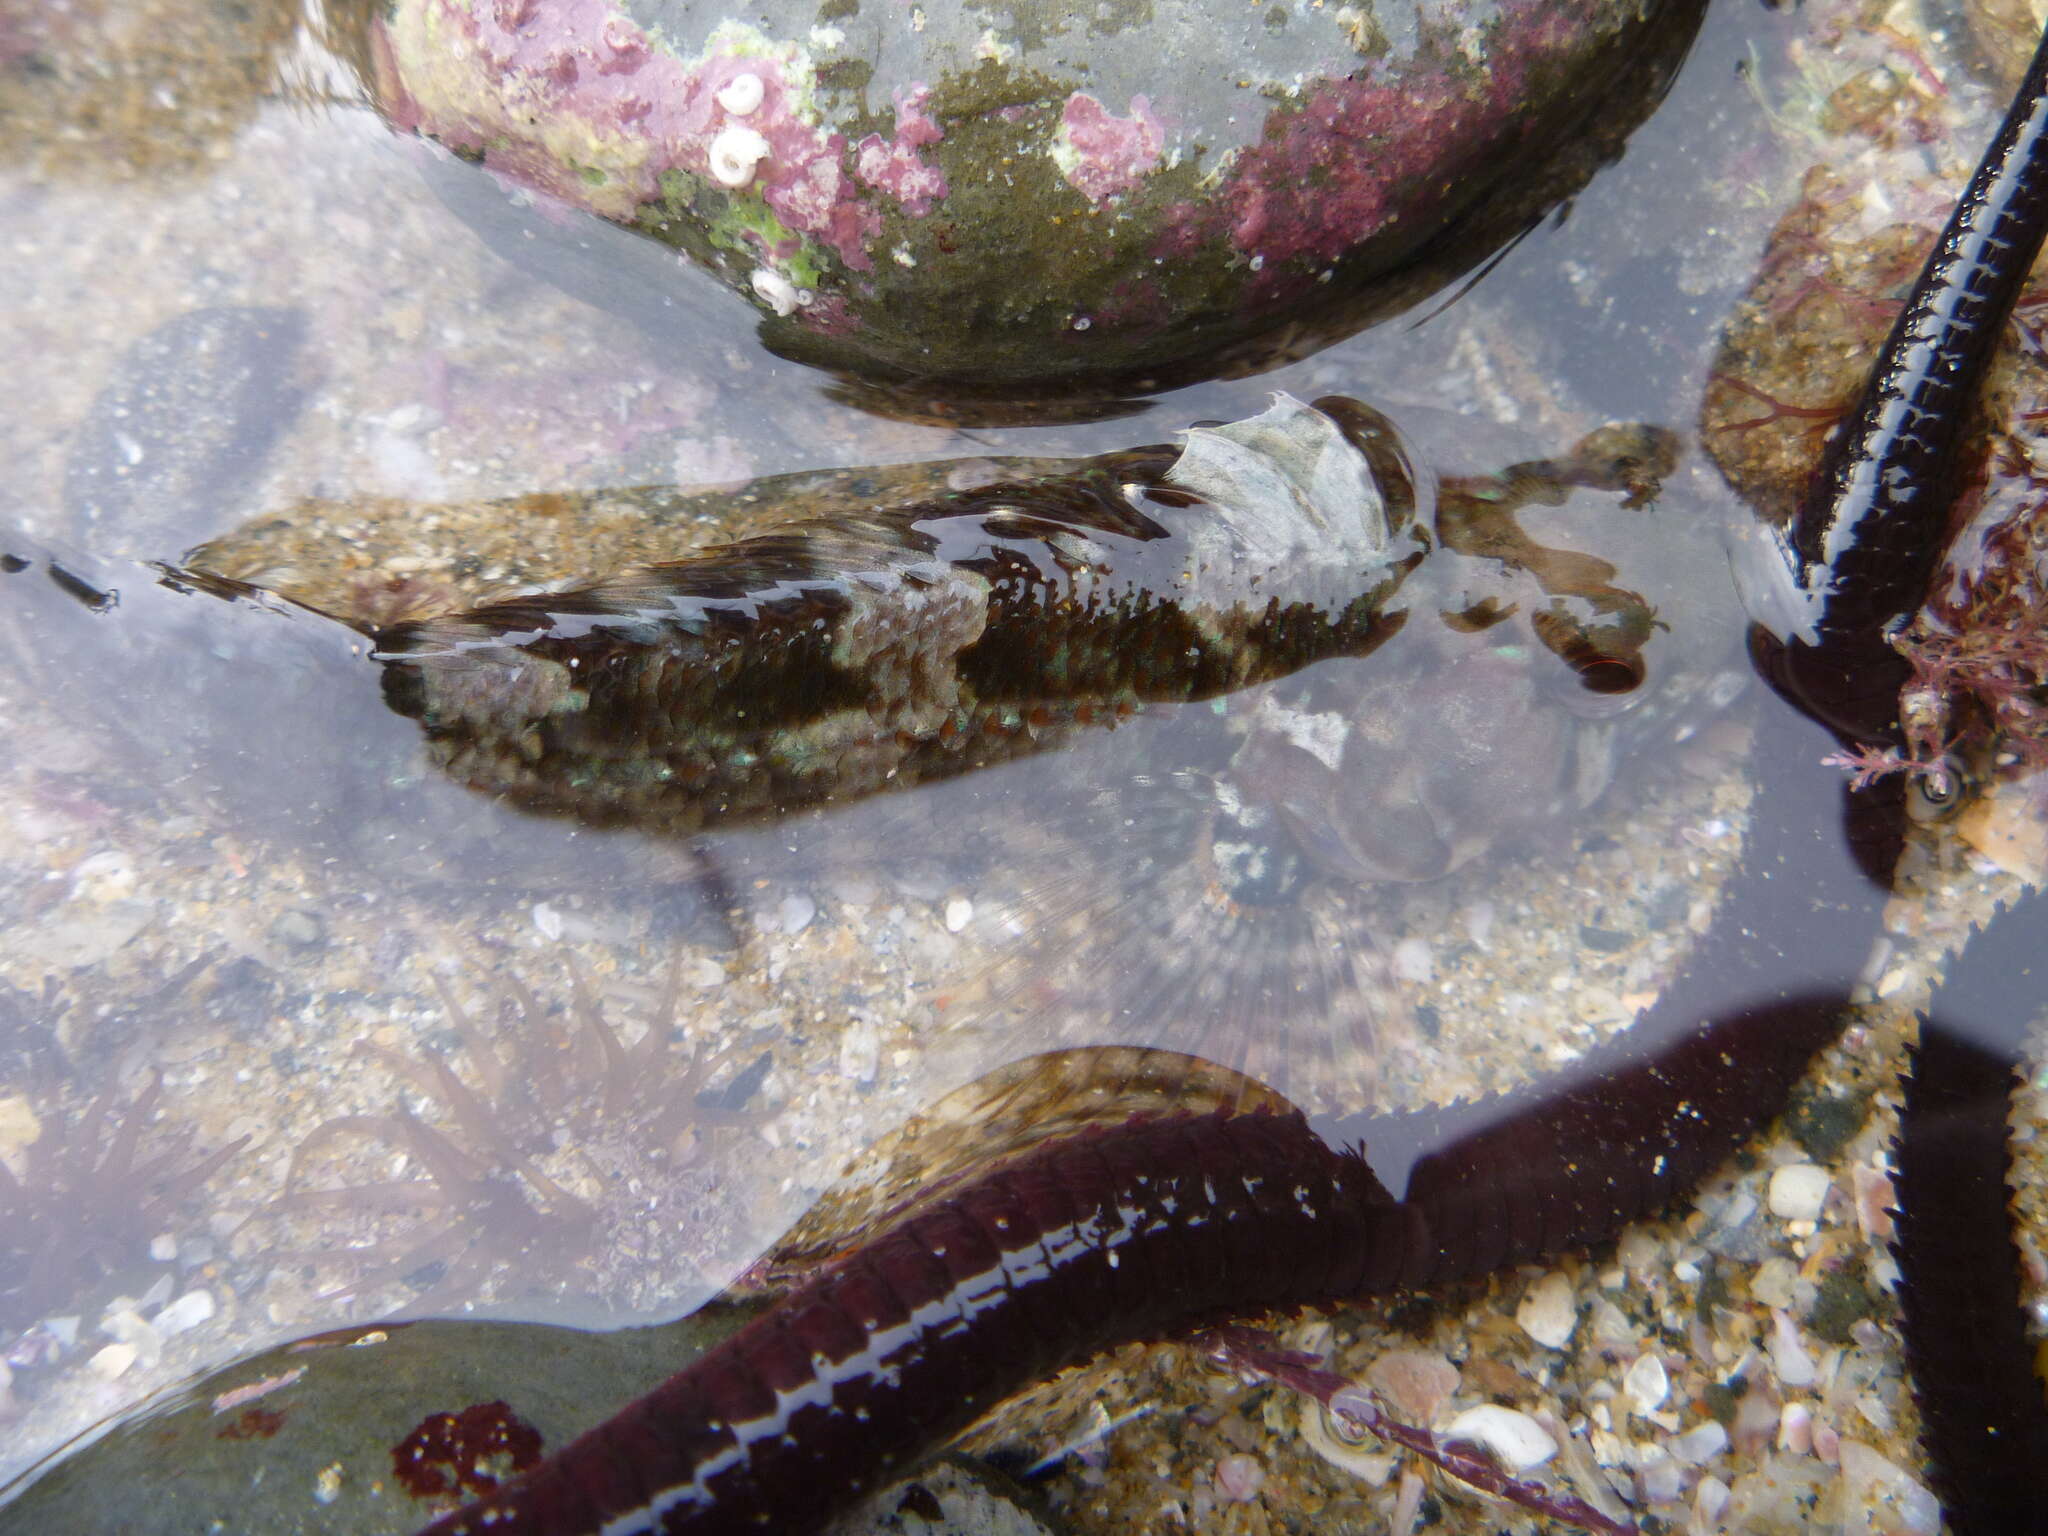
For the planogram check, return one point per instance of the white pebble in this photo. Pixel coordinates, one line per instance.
(959, 913)
(1789, 1356)
(548, 921)
(704, 974)
(734, 154)
(1479, 922)
(1795, 1429)
(860, 1051)
(113, 1361)
(1658, 1477)
(163, 1247)
(1548, 1314)
(1413, 960)
(1704, 1441)
(1512, 1438)
(795, 913)
(1882, 1497)
(775, 290)
(129, 1328)
(1238, 1478)
(741, 94)
(1709, 1502)
(1798, 1191)
(1646, 1384)
(188, 1311)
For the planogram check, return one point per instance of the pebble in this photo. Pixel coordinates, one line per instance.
(1798, 1191)
(860, 1051)
(1795, 1429)
(1415, 1382)
(1510, 1436)
(1790, 1359)
(1880, 1497)
(1238, 1478)
(188, 1311)
(112, 1362)
(959, 913)
(1647, 1384)
(163, 1248)
(1414, 961)
(1548, 1314)
(1705, 1440)
(795, 912)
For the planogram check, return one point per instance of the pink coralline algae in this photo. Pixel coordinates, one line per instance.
(574, 99)
(898, 168)
(1102, 155)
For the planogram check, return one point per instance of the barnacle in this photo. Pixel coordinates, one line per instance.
(565, 1157)
(90, 1193)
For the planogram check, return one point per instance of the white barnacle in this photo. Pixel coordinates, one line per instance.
(776, 291)
(734, 154)
(741, 94)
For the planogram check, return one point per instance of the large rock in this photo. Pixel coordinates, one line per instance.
(1031, 197)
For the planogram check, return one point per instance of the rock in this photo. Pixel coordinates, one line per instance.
(1549, 1312)
(1029, 198)
(1798, 1191)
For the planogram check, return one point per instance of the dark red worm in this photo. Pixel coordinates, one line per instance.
(1985, 1420)
(1131, 1232)
(1162, 1225)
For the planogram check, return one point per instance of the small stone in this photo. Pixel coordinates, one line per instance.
(1238, 1478)
(548, 921)
(1798, 1191)
(1795, 1429)
(1548, 1314)
(112, 1362)
(1646, 1383)
(1511, 1437)
(327, 1486)
(130, 1329)
(1413, 960)
(298, 929)
(860, 1051)
(1702, 1442)
(163, 1248)
(704, 974)
(1881, 1497)
(19, 1126)
(188, 1311)
(1709, 1501)
(1790, 1358)
(959, 913)
(795, 912)
(1874, 1202)
(1415, 1382)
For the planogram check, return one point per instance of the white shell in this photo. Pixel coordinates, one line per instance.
(1513, 1439)
(735, 153)
(741, 94)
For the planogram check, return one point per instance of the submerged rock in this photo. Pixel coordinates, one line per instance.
(1024, 198)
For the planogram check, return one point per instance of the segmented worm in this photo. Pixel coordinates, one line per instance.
(1136, 1231)
(1984, 1418)
(1867, 538)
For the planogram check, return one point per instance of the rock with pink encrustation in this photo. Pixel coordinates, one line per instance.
(1033, 197)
